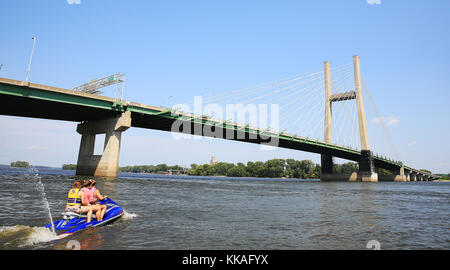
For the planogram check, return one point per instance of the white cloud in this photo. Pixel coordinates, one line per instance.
(35, 147)
(412, 143)
(71, 2)
(373, 2)
(388, 121)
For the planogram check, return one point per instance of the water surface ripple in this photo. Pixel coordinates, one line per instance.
(183, 212)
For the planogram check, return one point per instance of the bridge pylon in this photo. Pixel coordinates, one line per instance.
(325, 159)
(366, 172)
(107, 164)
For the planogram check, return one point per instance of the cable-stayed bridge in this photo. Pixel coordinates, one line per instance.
(320, 112)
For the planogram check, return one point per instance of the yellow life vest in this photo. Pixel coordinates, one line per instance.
(73, 198)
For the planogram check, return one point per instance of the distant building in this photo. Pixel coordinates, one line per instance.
(213, 161)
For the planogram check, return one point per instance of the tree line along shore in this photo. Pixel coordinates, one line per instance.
(274, 168)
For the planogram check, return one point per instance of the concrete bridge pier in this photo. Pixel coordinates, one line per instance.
(327, 171)
(107, 164)
(408, 176)
(366, 172)
(413, 176)
(419, 177)
(399, 176)
(326, 164)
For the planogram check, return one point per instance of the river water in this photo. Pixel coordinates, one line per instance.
(186, 212)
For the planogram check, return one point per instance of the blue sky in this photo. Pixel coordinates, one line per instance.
(179, 48)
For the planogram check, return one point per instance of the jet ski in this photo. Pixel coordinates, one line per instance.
(72, 222)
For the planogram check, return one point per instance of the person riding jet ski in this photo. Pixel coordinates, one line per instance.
(74, 201)
(74, 218)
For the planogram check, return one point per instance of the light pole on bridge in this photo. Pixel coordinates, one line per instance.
(168, 101)
(31, 58)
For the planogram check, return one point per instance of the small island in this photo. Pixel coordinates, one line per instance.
(69, 166)
(20, 164)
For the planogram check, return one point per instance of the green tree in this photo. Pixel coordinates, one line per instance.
(382, 171)
(69, 166)
(256, 169)
(275, 168)
(237, 171)
(162, 167)
(21, 164)
(222, 168)
(346, 168)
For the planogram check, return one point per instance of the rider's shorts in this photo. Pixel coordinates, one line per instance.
(72, 209)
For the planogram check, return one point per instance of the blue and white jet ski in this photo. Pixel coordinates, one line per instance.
(73, 222)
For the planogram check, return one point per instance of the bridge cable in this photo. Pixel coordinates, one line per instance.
(397, 156)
